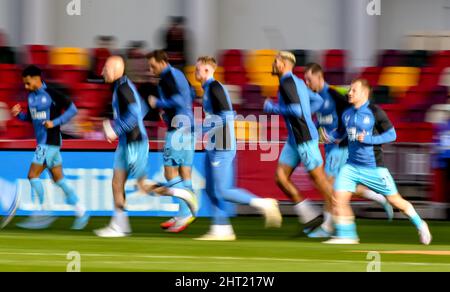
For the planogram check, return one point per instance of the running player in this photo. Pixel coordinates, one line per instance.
(175, 98)
(220, 154)
(132, 152)
(367, 128)
(45, 112)
(336, 155)
(294, 104)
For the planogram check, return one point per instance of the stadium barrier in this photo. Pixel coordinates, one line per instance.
(88, 166)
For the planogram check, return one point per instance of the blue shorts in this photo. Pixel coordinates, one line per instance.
(48, 155)
(179, 149)
(132, 158)
(377, 179)
(335, 159)
(307, 153)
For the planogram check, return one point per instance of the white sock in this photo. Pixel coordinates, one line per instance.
(327, 224)
(344, 220)
(410, 211)
(305, 212)
(121, 220)
(223, 230)
(371, 195)
(79, 210)
(259, 203)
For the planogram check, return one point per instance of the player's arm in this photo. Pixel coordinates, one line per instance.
(65, 103)
(316, 101)
(17, 112)
(334, 137)
(385, 129)
(127, 120)
(220, 107)
(293, 107)
(174, 101)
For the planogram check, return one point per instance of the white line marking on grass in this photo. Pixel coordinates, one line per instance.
(215, 258)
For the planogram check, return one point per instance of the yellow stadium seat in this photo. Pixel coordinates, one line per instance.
(70, 56)
(189, 71)
(246, 131)
(260, 58)
(399, 79)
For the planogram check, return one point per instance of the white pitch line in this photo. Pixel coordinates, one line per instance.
(215, 258)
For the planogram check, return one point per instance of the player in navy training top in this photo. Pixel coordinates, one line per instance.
(48, 110)
(367, 128)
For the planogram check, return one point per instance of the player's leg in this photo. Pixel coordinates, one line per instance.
(185, 217)
(289, 160)
(173, 160)
(119, 224)
(221, 228)
(37, 167)
(366, 193)
(71, 198)
(313, 162)
(380, 180)
(343, 217)
(222, 168)
(34, 174)
(40, 219)
(407, 208)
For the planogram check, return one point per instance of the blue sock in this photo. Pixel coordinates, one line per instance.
(416, 220)
(239, 196)
(71, 197)
(346, 231)
(414, 217)
(36, 185)
(188, 185)
(184, 210)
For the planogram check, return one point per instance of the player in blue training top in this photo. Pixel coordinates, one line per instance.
(367, 128)
(220, 154)
(329, 119)
(295, 104)
(131, 154)
(48, 110)
(175, 98)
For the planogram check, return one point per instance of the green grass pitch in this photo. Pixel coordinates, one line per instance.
(257, 249)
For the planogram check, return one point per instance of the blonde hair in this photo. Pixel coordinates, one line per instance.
(287, 56)
(208, 60)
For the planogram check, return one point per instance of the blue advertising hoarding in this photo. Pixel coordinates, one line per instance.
(90, 174)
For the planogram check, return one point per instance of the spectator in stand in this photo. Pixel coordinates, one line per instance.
(175, 39)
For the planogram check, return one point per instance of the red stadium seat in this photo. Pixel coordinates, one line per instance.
(100, 55)
(9, 92)
(19, 130)
(10, 74)
(235, 75)
(371, 74)
(422, 133)
(334, 59)
(415, 95)
(441, 59)
(232, 58)
(395, 112)
(94, 97)
(37, 55)
(67, 75)
(429, 77)
(299, 72)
